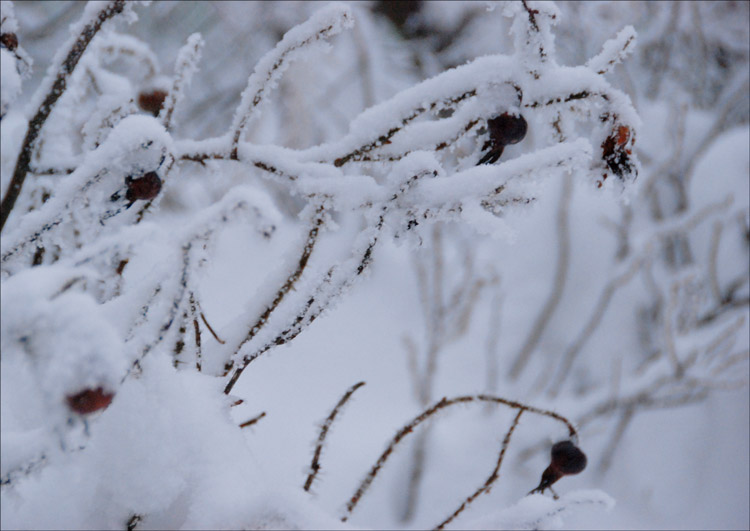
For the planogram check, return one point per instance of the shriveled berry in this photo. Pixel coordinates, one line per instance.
(616, 151)
(567, 458)
(507, 129)
(9, 40)
(504, 130)
(152, 101)
(89, 401)
(146, 187)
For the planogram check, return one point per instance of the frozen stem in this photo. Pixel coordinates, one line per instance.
(323, 25)
(315, 464)
(307, 250)
(485, 488)
(185, 66)
(419, 419)
(58, 88)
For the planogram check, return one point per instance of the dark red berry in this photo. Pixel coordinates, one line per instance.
(89, 400)
(146, 187)
(507, 129)
(9, 40)
(567, 459)
(152, 101)
(504, 130)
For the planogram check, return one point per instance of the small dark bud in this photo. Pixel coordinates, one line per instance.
(146, 187)
(567, 459)
(152, 101)
(9, 40)
(89, 400)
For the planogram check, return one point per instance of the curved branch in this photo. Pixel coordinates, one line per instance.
(307, 250)
(490, 480)
(315, 465)
(419, 419)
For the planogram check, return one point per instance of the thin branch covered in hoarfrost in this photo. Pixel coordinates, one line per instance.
(186, 66)
(428, 413)
(326, 23)
(50, 91)
(324, 429)
(111, 255)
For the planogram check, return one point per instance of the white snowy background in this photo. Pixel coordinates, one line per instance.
(619, 303)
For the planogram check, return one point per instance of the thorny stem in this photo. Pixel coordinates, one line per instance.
(419, 419)
(315, 464)
(58, 88)
(485, 488)
(385, 138)
(305, 317)
(307, 250)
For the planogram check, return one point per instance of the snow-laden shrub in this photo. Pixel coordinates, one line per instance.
(116, 386)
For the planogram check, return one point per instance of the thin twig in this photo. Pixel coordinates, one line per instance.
(419, 419)
(713, 277)
(315, 464)
(285, 288)
(252, 420)
(485, 488)
(594, 320)
(216, 337)
(558, 286)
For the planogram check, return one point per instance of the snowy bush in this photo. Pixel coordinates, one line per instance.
(149, 273)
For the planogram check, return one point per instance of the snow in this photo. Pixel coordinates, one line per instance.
(280, 257)
(10, 86)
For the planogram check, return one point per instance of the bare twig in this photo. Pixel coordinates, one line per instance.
(594, 320)
(252, 420)
(285, 288)
(485, 488)
(561, 273)
(625, 418)
(315, 465)
(419, 419)
(205, 322)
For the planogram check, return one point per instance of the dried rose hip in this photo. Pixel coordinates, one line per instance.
(89, 400)
(152, 101)
(146, 187)
(9, 40)
(616, 153)
(505, 129)
(567, 459)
